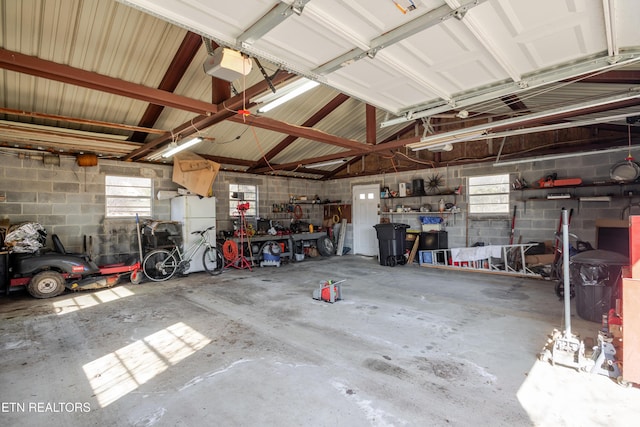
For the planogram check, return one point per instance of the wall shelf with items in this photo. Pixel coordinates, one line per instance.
(444, 215)
(419, 196)
(576, 193)
(420, 206)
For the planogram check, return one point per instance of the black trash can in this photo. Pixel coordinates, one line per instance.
(391, 242)
(595, 276)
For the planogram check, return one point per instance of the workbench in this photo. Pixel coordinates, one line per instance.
(293, 243)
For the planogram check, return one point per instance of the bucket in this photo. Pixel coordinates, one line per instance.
(299, 257)
(268, 257)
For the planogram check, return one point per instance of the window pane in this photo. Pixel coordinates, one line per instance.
(489, 189)
(489, 194)
(246, 193)
(128, 196)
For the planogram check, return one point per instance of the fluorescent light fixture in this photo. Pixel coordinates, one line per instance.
(189, 143)
(329, 163)
(441, 147)
(285, 94)
(563, 156)
(435, 144)
(595, 199)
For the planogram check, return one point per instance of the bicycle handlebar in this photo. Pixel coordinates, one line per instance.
(203, 231)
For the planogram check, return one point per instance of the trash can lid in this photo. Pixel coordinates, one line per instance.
(600, 256)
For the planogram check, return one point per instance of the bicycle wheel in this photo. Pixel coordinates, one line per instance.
(212, 260)
(159, 265)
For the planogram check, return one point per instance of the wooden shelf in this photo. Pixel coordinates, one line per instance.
(424, 195)
(420, 213)
(621, 191)
(592, 185)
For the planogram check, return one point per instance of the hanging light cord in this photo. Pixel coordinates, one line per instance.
(629, 156)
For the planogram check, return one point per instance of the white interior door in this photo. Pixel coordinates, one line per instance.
(366, 202)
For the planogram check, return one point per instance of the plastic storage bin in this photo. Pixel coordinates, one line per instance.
(391, 242)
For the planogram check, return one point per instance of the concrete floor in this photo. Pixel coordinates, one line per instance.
(408, 346)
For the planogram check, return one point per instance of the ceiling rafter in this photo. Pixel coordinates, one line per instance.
(311, 121)
(299, 132)
(225, 109)
(611, 77)
(227, 160)
(68, 119)
(184, 56)
(365, 149)
(514, 102)
(34, 66)
(396, 135)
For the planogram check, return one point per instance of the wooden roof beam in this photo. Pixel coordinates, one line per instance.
(34, 66)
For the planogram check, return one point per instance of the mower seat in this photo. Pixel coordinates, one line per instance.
(57, 244)
(59, 248)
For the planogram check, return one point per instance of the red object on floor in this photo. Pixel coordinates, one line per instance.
(326, 293)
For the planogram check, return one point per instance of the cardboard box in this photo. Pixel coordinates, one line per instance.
(542, 259)
(195, 173)
(616, 331)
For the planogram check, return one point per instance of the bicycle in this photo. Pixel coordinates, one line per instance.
(162, 264)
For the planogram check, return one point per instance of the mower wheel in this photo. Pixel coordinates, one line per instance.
(136, 277)
(46, 284)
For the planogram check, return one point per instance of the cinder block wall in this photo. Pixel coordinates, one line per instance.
(537, 220)
(68, 200)
(271, 190)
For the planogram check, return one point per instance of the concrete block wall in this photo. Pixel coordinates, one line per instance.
(342, 189)
(68, 200)
(271, 190)
(537, 220)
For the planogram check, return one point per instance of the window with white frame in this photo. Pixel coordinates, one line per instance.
(126, 196)
(241, 193)
(489, 194)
